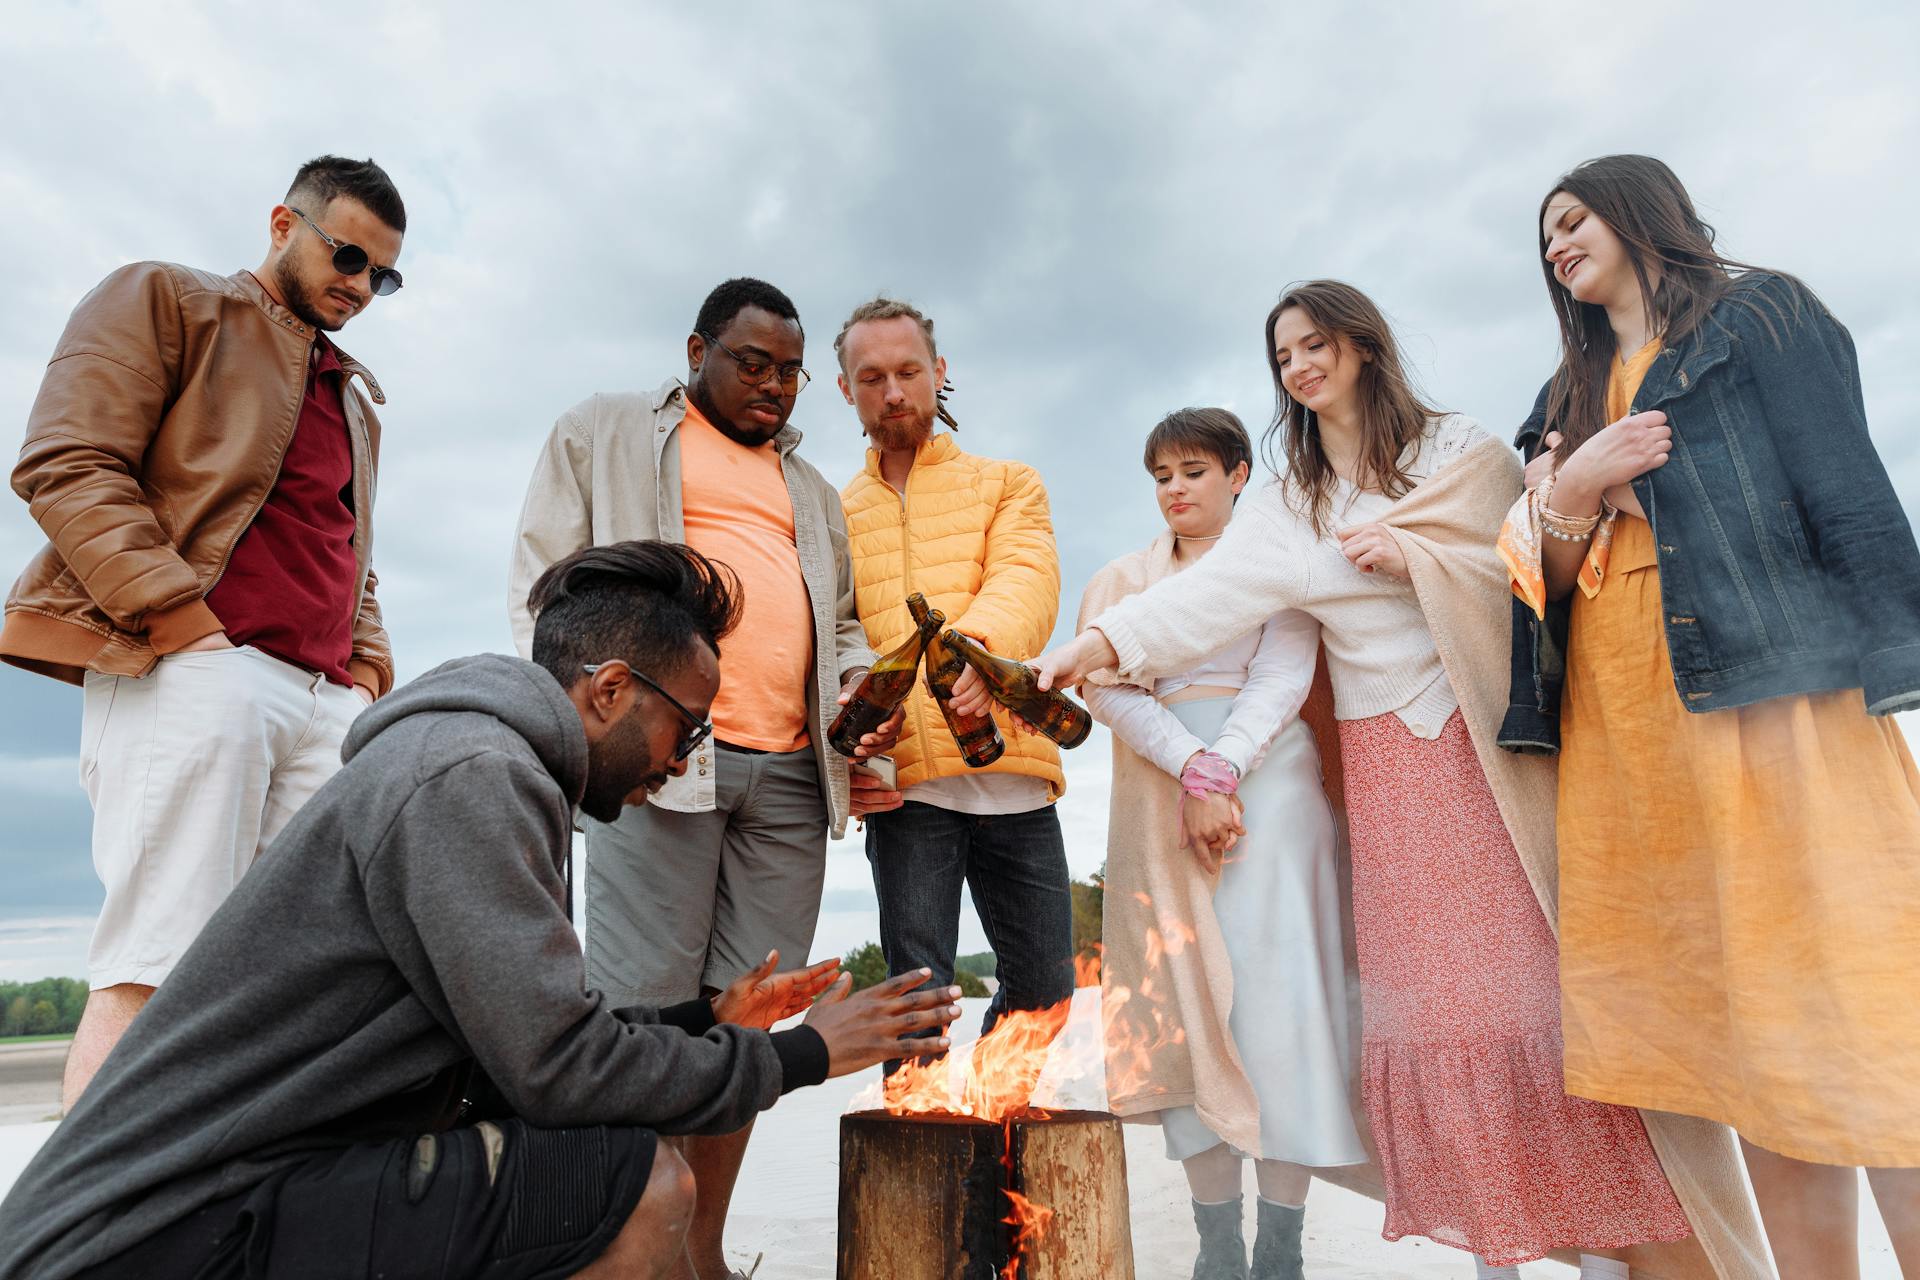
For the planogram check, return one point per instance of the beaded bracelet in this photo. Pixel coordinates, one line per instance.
(1568, 528)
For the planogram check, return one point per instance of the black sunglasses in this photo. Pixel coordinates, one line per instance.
(698, 730)
(351, 260)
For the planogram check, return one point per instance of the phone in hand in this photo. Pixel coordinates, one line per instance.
(882, 768)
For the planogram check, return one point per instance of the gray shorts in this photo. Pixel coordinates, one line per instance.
(678, 902)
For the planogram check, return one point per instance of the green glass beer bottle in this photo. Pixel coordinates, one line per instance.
(978, 736)
(1013, 686)
(885, 686)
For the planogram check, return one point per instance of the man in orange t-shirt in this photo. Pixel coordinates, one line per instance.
(725, 864)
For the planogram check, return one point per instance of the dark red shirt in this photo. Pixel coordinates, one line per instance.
(289, 586)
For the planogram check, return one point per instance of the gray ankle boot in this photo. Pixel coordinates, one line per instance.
(1276, 1250)
(1223, 1249)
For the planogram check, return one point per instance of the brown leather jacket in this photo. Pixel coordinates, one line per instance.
(158, 432)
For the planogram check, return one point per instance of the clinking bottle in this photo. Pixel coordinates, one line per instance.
(978, 736)
(885, 687)
(1013, 685)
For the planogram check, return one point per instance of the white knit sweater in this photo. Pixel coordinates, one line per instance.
(1380, 654)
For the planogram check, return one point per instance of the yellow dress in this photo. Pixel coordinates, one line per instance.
(1739, 890)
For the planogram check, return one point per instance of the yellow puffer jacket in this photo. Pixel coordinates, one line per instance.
(972, 535)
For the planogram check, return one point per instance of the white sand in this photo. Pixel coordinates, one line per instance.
(785, 1205)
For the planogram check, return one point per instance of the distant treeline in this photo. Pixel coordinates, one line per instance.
(49, 1007)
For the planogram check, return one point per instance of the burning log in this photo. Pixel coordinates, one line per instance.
(934, 1196)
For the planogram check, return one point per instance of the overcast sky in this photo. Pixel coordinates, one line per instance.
(1097, 204)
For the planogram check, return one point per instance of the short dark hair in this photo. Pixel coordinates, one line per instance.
(643, 601)
(324, 179)
(733, 296)
(1218, 432)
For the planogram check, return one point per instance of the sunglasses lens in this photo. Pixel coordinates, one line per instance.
(385, 281)
(349, 259)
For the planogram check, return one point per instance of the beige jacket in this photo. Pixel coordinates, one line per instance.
(157, 435)
(610, 472)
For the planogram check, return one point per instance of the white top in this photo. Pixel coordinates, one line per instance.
(983, 794)
(1380, 655)
(1271, 666)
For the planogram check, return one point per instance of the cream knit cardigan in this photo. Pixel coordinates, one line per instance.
(1446, 529)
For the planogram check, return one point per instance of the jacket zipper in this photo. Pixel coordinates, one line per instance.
(906, 579)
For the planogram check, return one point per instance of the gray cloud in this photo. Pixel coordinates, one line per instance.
(1097, 204)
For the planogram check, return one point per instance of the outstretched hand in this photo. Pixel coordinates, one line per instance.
(760, 997)
(1072, 662)
(865, 1027)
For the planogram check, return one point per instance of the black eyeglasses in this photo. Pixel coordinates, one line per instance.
(351, 260)
(754, 371)
(698, 729)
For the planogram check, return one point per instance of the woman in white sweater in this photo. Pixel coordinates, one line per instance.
(1480, 1148)
(1220, 832)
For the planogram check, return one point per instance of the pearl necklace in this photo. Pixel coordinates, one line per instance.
(1187, 537)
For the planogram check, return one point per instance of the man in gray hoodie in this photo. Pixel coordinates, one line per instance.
(381, 1057)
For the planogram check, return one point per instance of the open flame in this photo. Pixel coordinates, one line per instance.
(1029, 1222)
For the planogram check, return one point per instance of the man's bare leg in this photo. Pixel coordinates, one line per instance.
(109, 1012)
(653, 1243)
(715, 1161)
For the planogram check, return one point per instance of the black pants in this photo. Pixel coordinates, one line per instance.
(1014, 864)
(503, 1201)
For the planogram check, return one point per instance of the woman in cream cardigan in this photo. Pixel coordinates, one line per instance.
(1220, 836)
(1381, 527)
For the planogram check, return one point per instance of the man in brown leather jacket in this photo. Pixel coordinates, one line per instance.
(203, 467)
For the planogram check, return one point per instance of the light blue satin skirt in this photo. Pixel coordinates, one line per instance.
(1279, 910)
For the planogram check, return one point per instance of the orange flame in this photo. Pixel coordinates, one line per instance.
(1029, 1222)
(1086, 967)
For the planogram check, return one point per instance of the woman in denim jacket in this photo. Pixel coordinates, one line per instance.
(1714, 560)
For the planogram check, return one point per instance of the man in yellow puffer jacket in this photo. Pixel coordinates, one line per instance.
(973, 535)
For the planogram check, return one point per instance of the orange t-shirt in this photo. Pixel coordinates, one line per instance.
(738, 512)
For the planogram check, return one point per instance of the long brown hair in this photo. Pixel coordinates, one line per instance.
(1645, 205)
(1392, 414)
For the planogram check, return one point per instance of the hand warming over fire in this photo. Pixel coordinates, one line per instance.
(760, 997)
(865, 1027)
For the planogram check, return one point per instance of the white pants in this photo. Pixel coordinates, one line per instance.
(192, 771)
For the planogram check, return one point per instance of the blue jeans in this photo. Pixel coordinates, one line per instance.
(1014, 864)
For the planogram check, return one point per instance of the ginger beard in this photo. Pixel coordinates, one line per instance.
(906, 428)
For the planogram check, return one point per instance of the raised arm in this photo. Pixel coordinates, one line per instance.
(1013, 612)
(1250, 576)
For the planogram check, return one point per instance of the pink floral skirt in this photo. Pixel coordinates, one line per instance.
(1480, 1146)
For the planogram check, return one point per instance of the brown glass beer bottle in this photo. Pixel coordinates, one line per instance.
(1012, 685)
(885, 686)
(978, 736)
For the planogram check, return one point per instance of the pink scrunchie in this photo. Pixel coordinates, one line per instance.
(1207, 772)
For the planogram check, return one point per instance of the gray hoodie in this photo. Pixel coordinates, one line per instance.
(401, 944)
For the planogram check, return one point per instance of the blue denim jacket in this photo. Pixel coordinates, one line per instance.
(1786, 563)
